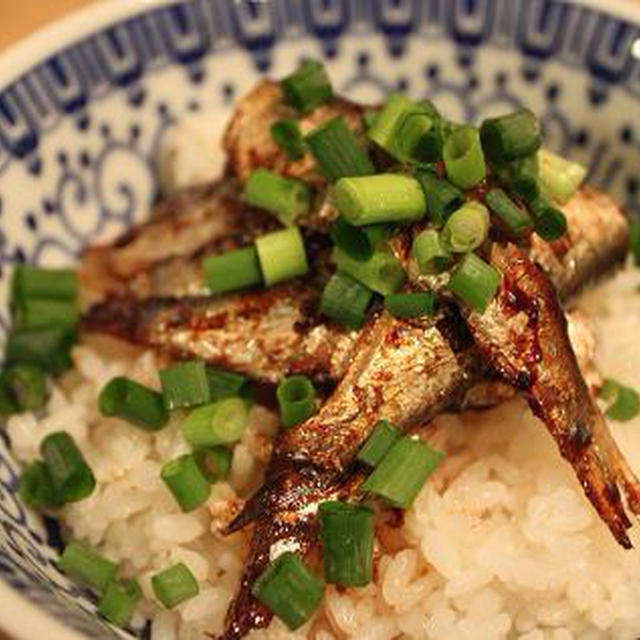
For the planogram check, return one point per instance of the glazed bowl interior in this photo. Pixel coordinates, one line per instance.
(87, 106)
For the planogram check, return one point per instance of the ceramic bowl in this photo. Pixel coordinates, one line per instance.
(86, 104)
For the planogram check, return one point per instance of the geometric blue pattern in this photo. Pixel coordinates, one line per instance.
(71, 170)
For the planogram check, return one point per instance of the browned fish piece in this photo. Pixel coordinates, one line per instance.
(523, 334)
(248, 141)
(164, 254)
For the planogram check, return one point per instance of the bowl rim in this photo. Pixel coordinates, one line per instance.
(24, 619)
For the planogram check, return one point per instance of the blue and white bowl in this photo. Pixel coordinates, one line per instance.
(86, 104)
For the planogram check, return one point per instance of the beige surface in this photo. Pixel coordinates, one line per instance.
(20, 17)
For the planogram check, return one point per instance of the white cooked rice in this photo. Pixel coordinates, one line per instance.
(500, 544)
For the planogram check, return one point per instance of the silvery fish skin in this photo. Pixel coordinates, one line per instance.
(523, 335)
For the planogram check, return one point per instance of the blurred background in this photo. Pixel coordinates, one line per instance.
(19, 17)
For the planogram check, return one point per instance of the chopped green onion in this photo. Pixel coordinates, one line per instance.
(369, 117)
(475, 282)
(119, 602)
(383, 272)
(286, 198)
(289, 590)
(282, 255)
(467, 228)
(48, 348)
(288, 137)
(175, 585)
(185, 384)
(222, 422)
(549, 222)
(87, 566)
(386, 197)
(308, 87)
(8, 402)
(232, 270)
(346, 301)
(520, 177)
(214, 463)
(411, 305)
(346, 531)
(515, 219)
(511, 136)
(36, 487)
(403, 471)
(186, 482)
(442, 197)
(134, 403)
(634, 242)
(463, 157)
(36, 313)
(72, 477)
(28, 386)
(352, 240)
(382, 131)
(560, 178)
(624, 402)
(430, 253)
(338, 152)
(227, 384)
(296, 399)
(384, 436)
(30, 281)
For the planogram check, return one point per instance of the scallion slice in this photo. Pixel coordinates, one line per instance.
(36, 487)
(36, 313)
(369, 117)
(119, 602)
(624, 402)
(383, 129)
(411, 305)
(511, 136)
(430, 252)
(351, 239)
(467, 228)
(520, 177)
(384, 436)
(386, 197)
(289, 590)
(214, 463)
(308, 87)
(475, 282)
(634, 242)
(222, 422)
(401, 474)
(233, 270)
(560, 177)
(48, 348)
(442, 197)
(463, 157)
(383, 272)
(346, 301)
(186, 482)
(282, 255)
(72, 477)
(227, 384)
(549, 222)
(288, 137)
(133, 402)
(85, 565)
(28, 386)
(175, 585)
(337, 151)
(346, 531)
(30, 281)
(516, 220)
(185, 384)
(286, 198)
(296, 399)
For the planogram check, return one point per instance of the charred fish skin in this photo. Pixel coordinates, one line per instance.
(523, 334)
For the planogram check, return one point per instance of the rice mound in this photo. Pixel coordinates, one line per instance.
(501, 543)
